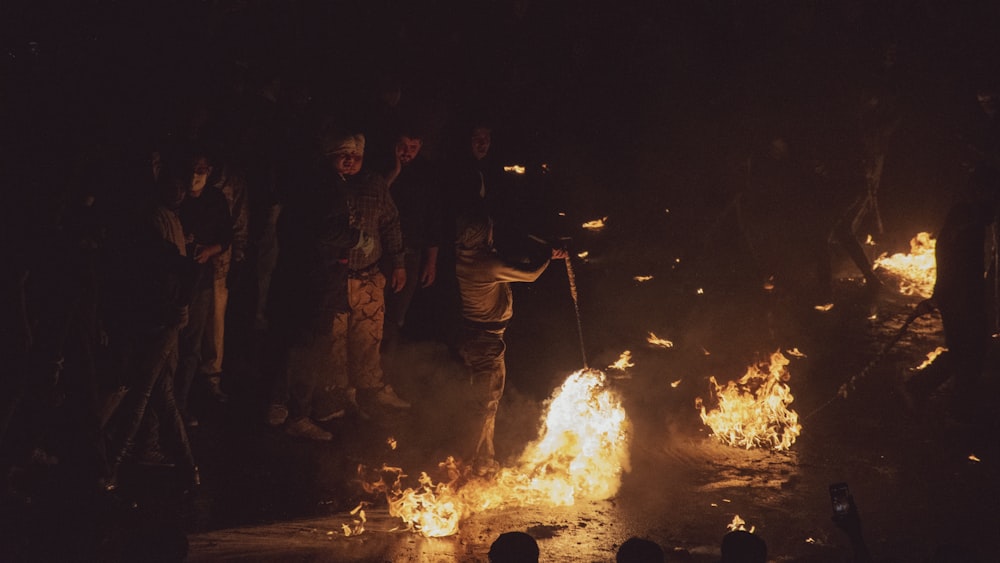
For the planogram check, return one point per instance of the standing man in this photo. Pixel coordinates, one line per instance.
(208, 229)
(487, 306)
(417, 198)
(357, 331)
(309, 290)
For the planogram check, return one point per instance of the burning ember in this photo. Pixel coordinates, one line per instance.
(581, 453)
(753, 411)
(931, 356)
(657, 341)
(739, 524)
(624, 361)
(357, 527)
(915, 272)
(515, 169)
(595, 225)
(641, 279)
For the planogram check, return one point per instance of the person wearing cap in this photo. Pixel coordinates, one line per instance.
(358, 330)
(308, 290)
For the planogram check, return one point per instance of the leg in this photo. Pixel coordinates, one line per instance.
(483, 352)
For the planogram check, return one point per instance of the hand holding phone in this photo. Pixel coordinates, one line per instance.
(840, 497)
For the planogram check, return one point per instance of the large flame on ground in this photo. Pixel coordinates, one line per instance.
(581, 453)
(753, 411)
(915, 272)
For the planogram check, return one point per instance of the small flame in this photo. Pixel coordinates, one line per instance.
(701, 291)
(931, 356)
(641, 279)
(657, 341)
(596, 224)
(769, 284)
(357, 527)
(752, 412)
(794, 352)
(870, 241)
(391, 442)
(824, 307)
(739, 524)
(515, 169)
(972, 457)
(583, 255)
(915, 272)
(624, 361)
(675, 384)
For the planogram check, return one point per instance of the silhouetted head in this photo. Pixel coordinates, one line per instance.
(514, 547)
(638, 550)
(740, 546)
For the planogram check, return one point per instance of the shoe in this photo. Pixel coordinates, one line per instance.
(388, 397)
(154, 458)
(277, 414)
(305, 428)
(215, 389)
(329, 403)
(336, 413)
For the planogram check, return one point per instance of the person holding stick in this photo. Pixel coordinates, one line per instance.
(487, 306)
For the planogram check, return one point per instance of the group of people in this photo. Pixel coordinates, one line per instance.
(299, 236)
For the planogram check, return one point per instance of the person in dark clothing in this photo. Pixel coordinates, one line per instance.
(308, 290)
(415, 191)
(208, 231)
(155, 292)
(961, 295)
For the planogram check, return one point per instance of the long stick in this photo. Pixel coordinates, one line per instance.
(576, 306)
(922, 308)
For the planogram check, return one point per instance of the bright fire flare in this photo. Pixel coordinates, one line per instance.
(753, 411)
(915, 272)
(595, 225)
(515, 169)
(581, 453)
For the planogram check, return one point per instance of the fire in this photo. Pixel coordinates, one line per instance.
(357, 527)
(581, 453)
(824, 307)
(931, 356)
(641, 279)
(595, 225)
(739, 524)
(515, 169)
(624, 361)
(753, 411)
(915, 272)
(657, 341)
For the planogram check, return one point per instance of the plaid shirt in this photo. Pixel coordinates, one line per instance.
(374, 213)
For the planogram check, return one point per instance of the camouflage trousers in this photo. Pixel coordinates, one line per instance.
(357, 334)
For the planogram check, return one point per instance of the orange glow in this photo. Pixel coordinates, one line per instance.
(659, 342)
(753, 411)
(915, 272)
(580, 454)
(595, 225)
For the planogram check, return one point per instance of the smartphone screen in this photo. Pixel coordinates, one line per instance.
(840, 497)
